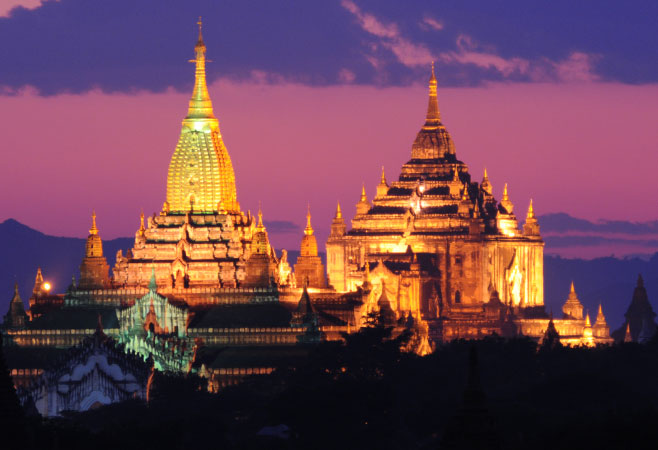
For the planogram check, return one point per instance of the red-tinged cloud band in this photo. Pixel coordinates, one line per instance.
(587, 149)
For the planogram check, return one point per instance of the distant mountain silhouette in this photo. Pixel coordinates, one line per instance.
(607, 280)
(563, 222)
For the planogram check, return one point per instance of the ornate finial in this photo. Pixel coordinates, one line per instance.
(200, 24)
(588, 323)
(200, 104)
(309, 229)
(455, 176)
(93, 229)
(383, 178)
(339, 213)
(486, 177)
(260, 218)
(531, 211)
(363, 193)
(141, 223)
(573, 289)
(505, 202)
(433, 116)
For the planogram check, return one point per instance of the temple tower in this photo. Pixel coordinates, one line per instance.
(201, 177)
(15, 317)
(309, 265)
(94, 270)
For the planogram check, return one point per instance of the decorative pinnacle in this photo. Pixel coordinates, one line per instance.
(531, 211)
(433, 116)
(505, 196)
(363, 194)
(383, 178)
(339, 213)
(260, 218)
(573, 289)
(200, 105)
(93, 229)
(486, 177)
(141, 223)
(588, 323)
(200, 23)
(600, 318)
(455, 176)
(309, 229)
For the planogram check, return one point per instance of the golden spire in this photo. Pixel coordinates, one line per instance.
(260, 226)
(588, 323)
(339, 213)
(309, 229)
(600, 318)
(505, 202)
(531, 212)
(572, 291)
(486, 185)
(93, 230)
(200, 104)
(363, 194)
(141, 223)
(383, 178)
(433, 116)
(455, 176)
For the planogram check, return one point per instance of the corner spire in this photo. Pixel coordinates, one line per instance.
(141, 223)
(200, 104)
(339, 213)
(93, 230)
(308, 231)
(383, 178)
(363, 198)
(433, 118)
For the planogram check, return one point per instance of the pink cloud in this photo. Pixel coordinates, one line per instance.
(431, 23)
(7, 5)
(407, 52)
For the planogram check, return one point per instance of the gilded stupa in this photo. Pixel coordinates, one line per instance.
(201, 177)
(201, 238)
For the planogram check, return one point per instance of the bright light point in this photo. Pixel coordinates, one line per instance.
(47, 286)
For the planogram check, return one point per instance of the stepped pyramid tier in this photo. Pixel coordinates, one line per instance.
(201, 177)
(451, 223)
(94, 270)
(309, 268)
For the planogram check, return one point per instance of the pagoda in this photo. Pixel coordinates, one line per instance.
(201, 238)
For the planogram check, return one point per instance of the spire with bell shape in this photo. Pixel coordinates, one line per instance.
(600, 318)
(364, 205)
(433, 118)
(38, 282)
(338, 227)
(572, 308)
(382, 187)
(505, 202)
(531, 226)
(93, 230)
(309, 245)
(16, 317)
(486, 185)
(627, 334)
(308, 231)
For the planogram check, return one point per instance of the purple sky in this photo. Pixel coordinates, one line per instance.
(562, 121)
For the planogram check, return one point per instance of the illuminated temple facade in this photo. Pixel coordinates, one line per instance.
(443, 248)
(203, 290)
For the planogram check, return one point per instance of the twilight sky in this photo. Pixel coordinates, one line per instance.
(559, 100)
